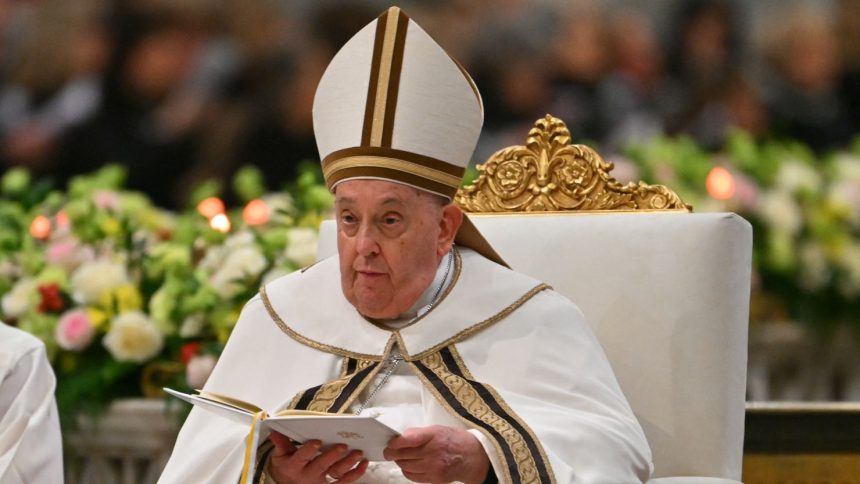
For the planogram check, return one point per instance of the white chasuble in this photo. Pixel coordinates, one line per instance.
(31, 449)
(499, 354)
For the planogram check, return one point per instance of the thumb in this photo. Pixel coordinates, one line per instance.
(283, 444)
(415, 437)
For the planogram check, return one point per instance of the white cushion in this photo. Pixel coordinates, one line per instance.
(668, 296)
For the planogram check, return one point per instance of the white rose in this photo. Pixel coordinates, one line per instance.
(20, 298)
(814, 269)
(781, 212)
(795, 175)
(198, 370)
(133, 337)
(847, 167)
(216, 255)
(301, 246)
(849, 262)
(845, 195)
(91, 279)
(239, 264)
(192, 325)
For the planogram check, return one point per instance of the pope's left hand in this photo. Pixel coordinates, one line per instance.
(439, 454)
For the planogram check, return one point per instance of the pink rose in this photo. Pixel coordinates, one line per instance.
(106, 199)
(74, 331)
(198, 370)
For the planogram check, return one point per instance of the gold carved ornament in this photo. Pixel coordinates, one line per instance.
(549, 174)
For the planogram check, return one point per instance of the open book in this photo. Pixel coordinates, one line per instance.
(366, 434)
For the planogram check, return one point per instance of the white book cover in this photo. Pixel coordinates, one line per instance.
(366, 434)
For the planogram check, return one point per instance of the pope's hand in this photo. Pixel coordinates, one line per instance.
(307, 465)
(439, 454)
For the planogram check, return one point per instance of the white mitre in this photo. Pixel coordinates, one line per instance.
(393, 105)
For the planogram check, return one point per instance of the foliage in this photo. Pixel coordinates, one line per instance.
(128, 297)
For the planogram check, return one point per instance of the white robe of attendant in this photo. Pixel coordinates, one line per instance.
(530, 344)
(30, 444)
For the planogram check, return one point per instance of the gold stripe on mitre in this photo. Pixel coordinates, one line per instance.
(385, 78)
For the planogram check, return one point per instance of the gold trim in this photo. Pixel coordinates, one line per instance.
(437, 176)
(469, 398)
(384, 75)
(549, 174)
(502, 403)
(307, 341)
(361, 365)
(444, 404)
(475, 327)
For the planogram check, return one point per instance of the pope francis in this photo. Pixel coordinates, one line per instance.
(488, 375)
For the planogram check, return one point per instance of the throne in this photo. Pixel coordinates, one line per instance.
(665, 290)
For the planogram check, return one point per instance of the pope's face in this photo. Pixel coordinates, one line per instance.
(390, 239)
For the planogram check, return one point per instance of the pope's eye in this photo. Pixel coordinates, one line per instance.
(390, 219)
(347, 218)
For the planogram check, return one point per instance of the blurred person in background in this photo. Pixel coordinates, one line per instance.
(848, 29)
(53, 85)
(633, 95)
(803, 97)
(705, 65)
(264, 115)
(580, 61)
(155, 50)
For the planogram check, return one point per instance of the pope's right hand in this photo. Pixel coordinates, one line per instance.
(307, 465)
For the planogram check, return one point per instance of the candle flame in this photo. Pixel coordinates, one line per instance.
(40, 228)
(210, 207)
(220, 222)
(720, 183)
(256, 212)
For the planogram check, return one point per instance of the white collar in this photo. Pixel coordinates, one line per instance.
(479, 294)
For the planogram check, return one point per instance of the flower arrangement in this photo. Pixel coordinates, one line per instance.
(128, 297)
(805, 212)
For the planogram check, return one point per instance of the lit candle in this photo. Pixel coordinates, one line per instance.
(720, 183)
(256, 212)
(40, 228)
(210, 207)
(220, 222)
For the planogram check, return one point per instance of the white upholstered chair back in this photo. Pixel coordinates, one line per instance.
(667, 294)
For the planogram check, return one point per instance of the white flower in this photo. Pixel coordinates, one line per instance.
(847, 167)
(216, 255)
(795, 175)
(301, 246)
(844, 195)
(814, 269)
(192, 325)
(198, 370)
(92, 279)
(20, 298)
(239, 264)
(849, 262)
(274, 273)
(781, 212)
(133, 337)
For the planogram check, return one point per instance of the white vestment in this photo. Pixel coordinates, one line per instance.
(31, 449)
(499, 354)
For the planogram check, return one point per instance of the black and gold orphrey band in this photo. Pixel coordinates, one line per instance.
(337, 395)
(481, 407)
(478, 405)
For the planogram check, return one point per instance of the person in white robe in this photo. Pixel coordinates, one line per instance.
(31, 448)
(489, 375)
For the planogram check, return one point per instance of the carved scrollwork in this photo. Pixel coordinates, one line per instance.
(550, 174)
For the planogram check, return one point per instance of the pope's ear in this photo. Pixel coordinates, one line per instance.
(449, 224)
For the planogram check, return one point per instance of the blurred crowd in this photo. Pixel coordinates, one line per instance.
(184, 91)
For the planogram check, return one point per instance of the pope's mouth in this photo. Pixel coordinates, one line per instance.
(370, 274)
